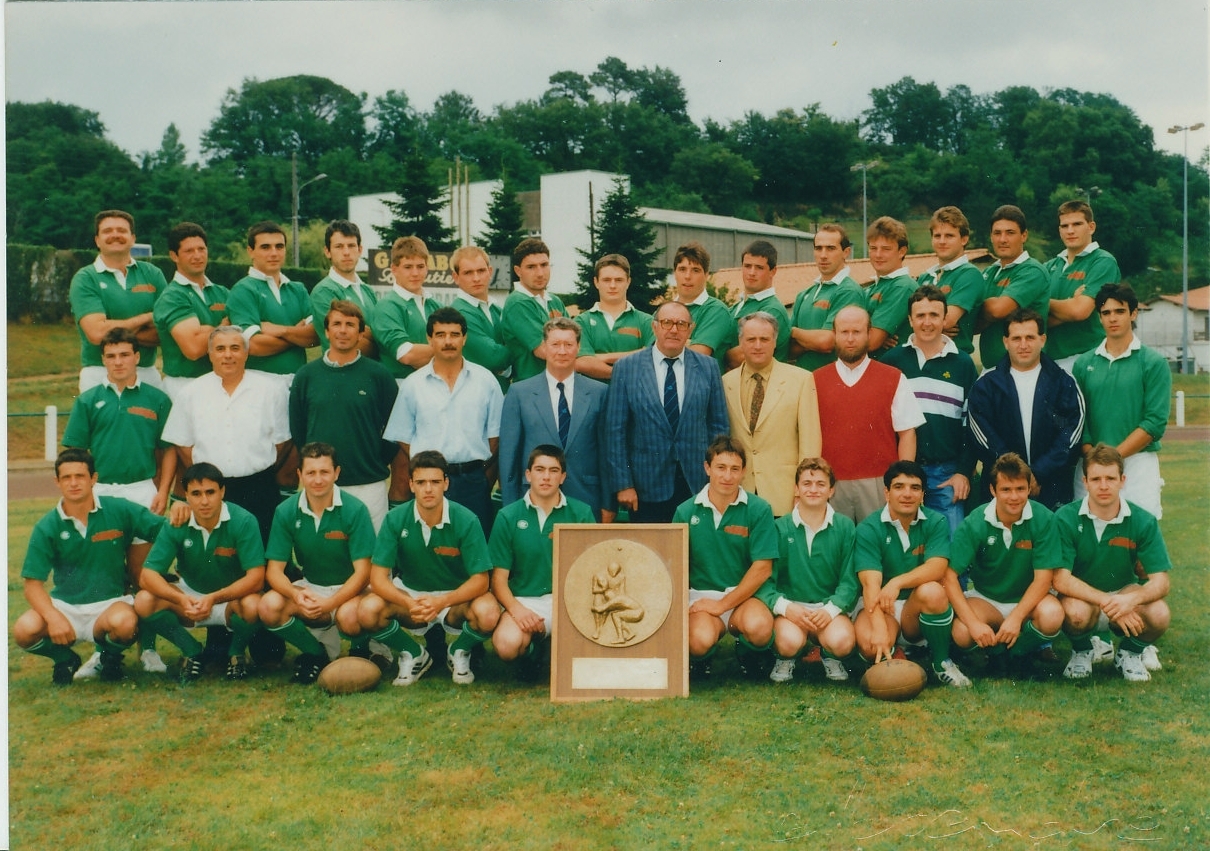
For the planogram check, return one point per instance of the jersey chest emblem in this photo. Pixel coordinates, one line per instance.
(522, 524)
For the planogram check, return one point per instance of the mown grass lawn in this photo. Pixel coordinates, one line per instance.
(263, 764)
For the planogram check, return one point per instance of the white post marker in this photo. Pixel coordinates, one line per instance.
(50, 433)
(1180, 408)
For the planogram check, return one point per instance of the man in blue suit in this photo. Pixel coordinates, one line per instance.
(560, 408)
(665, 405)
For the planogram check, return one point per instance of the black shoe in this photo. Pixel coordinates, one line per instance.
(64, 672)
(191, 669)
(111, 667)
(753, 665)
(307, 668)
(267, 648)
(700, 669)
(362, 652)
(236, 669)
(434, 642)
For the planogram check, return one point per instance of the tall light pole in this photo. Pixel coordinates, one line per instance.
(863, 168)
(1176, 128)
(296, 189)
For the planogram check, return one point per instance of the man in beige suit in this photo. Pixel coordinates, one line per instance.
(773, 411)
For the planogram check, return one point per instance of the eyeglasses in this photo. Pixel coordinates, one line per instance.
(678, 324)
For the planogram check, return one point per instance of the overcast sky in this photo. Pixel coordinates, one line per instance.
(142, 65)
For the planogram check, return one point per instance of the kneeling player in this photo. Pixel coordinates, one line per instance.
(902, 554)
(1011, 549)
(430, 568)
(813, 586)
(522, 554)
(83, 542)
(732, 544)
(221, 564)
(1111, 544)
(331, 536)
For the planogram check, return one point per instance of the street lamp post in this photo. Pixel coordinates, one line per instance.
(1176, 128)
(863, 168)
(296, 189)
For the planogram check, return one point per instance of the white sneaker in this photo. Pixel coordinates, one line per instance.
(90, 669)
(834, 670)
(412, 668)
(459, 663)
(783, 671)
(1151, 658)
(951, 675)
(152, 663)
(1080, 664)
(1131, 666)
(1102, 650)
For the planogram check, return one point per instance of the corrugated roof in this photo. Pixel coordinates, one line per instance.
(722, 223)
(1199, 299)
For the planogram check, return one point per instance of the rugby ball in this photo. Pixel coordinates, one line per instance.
(894, 679)
(348, 675)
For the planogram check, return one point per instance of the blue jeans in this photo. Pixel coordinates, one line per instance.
(942, 499)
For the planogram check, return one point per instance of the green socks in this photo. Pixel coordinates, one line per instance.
(1082, 643)
(1132, 644)
(750, 647)
(297, 634)
(165, 623)
(467, 639)
(107, 645)
(55, 652)
(936, 631)
(241, 633)
(1029, 640)
(398, 639)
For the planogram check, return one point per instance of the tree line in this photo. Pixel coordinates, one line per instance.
(793, 168)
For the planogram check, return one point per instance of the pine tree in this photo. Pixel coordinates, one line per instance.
(418, 212)
(621, 229)
(505, 222)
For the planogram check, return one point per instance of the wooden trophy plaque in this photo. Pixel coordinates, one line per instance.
(621, 612)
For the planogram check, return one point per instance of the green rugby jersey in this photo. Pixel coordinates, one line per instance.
(880, 545)
(720, 556)
(456, 549)
(252, 303)
(772, 305)
(525, 548)
(1109, 563)
(1002, 570)
(325, 552)
(963, 287)
(521, 329)
(1092, 269)
(820, 573)
(209, 563)
(815, 309)
(94, 291)
(332, 289)
(397, 321)
(122, 431)
(713, 326)
(177, 303)
(1028, 285)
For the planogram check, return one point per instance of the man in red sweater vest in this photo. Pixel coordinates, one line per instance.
(868, 416)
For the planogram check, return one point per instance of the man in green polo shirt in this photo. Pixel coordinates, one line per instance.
(190, 307)
(758, 266)
(522, 553)
(83, 543)
(115, 291)
(959, 280)
(887, 297)
(813, 586)
(342, 246)
(1014, 281)
(812, 340)
(1116, 570)
(1010, 548)
(221, 564)
(273, 311)
(330, 537)
(902, 554)
(528, 307)
(613, 327)
(732, 545)
(400, 315)
(472, 273)
(430, 569)
(714, 329)
(1076, 277)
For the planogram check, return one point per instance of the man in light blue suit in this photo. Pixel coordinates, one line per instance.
(665, 405)
(561, 408)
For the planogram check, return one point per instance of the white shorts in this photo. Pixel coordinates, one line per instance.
(860, 607)
(441, 616)
(175, 385)
(1143, 482)
(542, 606)
(95, 376)
(320, 591)
(1005, 609)
(218, 612)
(694, 596)
(374, 495)
(83, 616)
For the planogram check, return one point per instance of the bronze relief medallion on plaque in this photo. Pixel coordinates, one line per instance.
(617, 593)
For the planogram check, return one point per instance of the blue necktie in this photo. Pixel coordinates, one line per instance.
(672, 407)
(564, 415)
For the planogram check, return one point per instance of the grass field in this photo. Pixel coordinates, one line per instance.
(261, 764)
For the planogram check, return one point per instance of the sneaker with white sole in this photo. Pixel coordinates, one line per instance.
(1132, 667)
(1102, 650)
(1080, 664)
(951, 675)
(412, 668)
(783, 671)
(152, 663)
(1151, 658)
(834, 670)
(90, 669)
(459, 663)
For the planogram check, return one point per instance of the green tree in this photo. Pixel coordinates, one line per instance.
(721, 177)
(620, 228)
(418, 210)
(505, 222)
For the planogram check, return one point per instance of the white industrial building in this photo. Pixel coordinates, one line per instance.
(1160, 326)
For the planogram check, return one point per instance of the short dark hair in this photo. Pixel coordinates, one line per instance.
(200, 471)
(111, 214)
(529, 245)
(317, 449)
(953, 217)
(75, 455)
(761, 248)
(183, 231)
(904, 468)
(723, 444)
(694, 252)
(1118, 292)
(114, 336)
(344, 227)
(550, 450)
(832, 227)
(444, 316)
(1011, 466)
(346, 308)
(262, 227)
(430, 459)
(1025, 314)
(1077, 206)
(1105, 455)
(815, 464)
(1009, 213)
(611, 260)
(927, 292)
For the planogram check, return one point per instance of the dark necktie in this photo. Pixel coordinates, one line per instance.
(672, 407)
(758, 399)
(564, 415)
